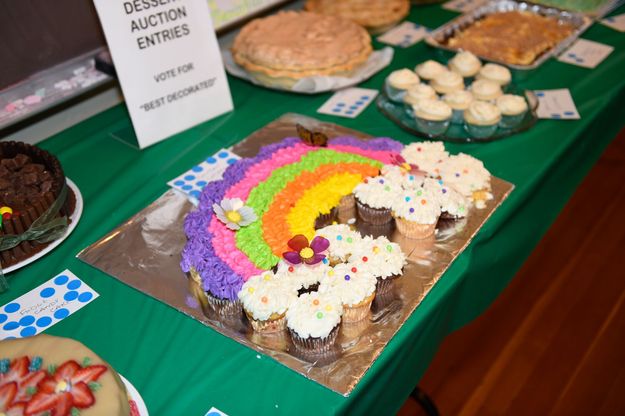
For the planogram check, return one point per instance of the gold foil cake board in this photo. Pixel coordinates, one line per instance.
(144, 253)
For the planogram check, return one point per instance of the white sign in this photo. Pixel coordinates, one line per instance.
(404, 35)
(349, 102)
(556, 104)
(168, 63)
(586, 53)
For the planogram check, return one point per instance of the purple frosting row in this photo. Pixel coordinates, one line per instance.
(198, 253)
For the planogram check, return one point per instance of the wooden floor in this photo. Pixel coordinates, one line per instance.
(553, 343)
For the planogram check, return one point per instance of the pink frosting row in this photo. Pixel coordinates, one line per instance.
(382, 156)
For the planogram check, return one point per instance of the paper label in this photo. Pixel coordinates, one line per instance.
(44, 306)
(349, 102)
(462, 5)
(586, 53)
(615, 22)
(211, 169)
(556, 104)
(215, 412)
(168, 63)
(404, 35)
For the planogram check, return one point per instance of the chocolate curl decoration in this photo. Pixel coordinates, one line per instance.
(305, 253)
(44, 229)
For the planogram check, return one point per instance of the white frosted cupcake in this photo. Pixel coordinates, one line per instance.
(452, 203)
(428, 70)
(266, 298)
(468, 176)
(458, 101)
(416, 213)
(342, 241)
(402, 177)
(496, 73)
(485, 90)
(354, 287)
(432, 116)
(419, 92)
(373, 199)
(447, 81)
(513, 109)
(313, 321)
(382, 258)
(481, 119)
(302, 277)
(427, 156)
(465, 64)
(398, 82)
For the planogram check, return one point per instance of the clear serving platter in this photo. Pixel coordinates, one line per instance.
(402, 115)
(439, 38)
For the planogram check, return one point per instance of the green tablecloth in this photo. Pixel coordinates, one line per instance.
(183, 367)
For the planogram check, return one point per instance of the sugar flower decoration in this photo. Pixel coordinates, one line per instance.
(305, 253)
(398, 160)
(234, 214)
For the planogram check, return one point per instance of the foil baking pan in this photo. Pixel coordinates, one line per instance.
(144, 253)
(439, 37)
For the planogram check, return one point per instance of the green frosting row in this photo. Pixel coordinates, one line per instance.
(250, 239)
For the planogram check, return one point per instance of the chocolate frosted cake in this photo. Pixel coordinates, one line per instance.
(31, 179)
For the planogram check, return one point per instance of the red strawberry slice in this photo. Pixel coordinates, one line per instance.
(7, 393)
(30, 381)
(17, 409)
(17, 370)
(82, 396)
(134, 409)
(66, 370)
(48, 385)
(88, 374)
(40, 402)
(63, 404)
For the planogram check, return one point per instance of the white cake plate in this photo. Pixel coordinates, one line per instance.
(135, 397)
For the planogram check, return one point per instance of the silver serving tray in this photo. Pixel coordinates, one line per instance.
(438, 38)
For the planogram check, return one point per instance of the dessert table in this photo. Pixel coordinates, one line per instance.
(183, 367)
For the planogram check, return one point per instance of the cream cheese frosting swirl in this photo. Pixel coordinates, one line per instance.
(402, 79)
(466, 174)
(482, 113)
(451, 201)
(458, 100)
(266, 294)
(511, 105)
(465, 64)
(380, 257)
(419, 92)
(401, 177)
(349, 283)
(376, 192)
(429, 69)
(342, 240)
(420, 206)
(427, 156)
(433, 110)
(447, 81)
(496, 73)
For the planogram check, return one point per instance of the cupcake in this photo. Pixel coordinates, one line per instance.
(355, 288)
(342, 241)
(432, 116)
(381, 258)
(416, 213)
(447, 81)
(303, 277)
(428, 70)
(398, 82)
(452, 203)
(481, 119)
(266, 298)
(373, 199)
(402, 177)
(221, 293)
(313, 321)
(468, 176)
(465, 64)
(495, 73)
(485, 90)
(426, 156)
(513, 109)
(458, 101)
(418, 92)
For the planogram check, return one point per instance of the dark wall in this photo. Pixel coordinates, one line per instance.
(37, 34)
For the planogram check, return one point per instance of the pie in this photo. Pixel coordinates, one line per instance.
(377, 16)
(514, 37)
(281, 49)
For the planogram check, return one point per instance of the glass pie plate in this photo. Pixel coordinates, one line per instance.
(401, 114)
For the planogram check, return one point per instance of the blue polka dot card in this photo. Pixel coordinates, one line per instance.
(44, 306)
(404, 35)
(586, 53)
(556, 104)
(215, 412)
(348, 102)
(615, 22)
(210, 169)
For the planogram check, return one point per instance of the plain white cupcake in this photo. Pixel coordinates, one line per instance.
(458, 101)
(447, 81)
(429, 69)
(513, 109)
(398, 82)
(485, 90)
(496, 73)
(432, 116)
(418, 92)
(466, 64)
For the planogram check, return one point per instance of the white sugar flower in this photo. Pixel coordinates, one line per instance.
(234, 214)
